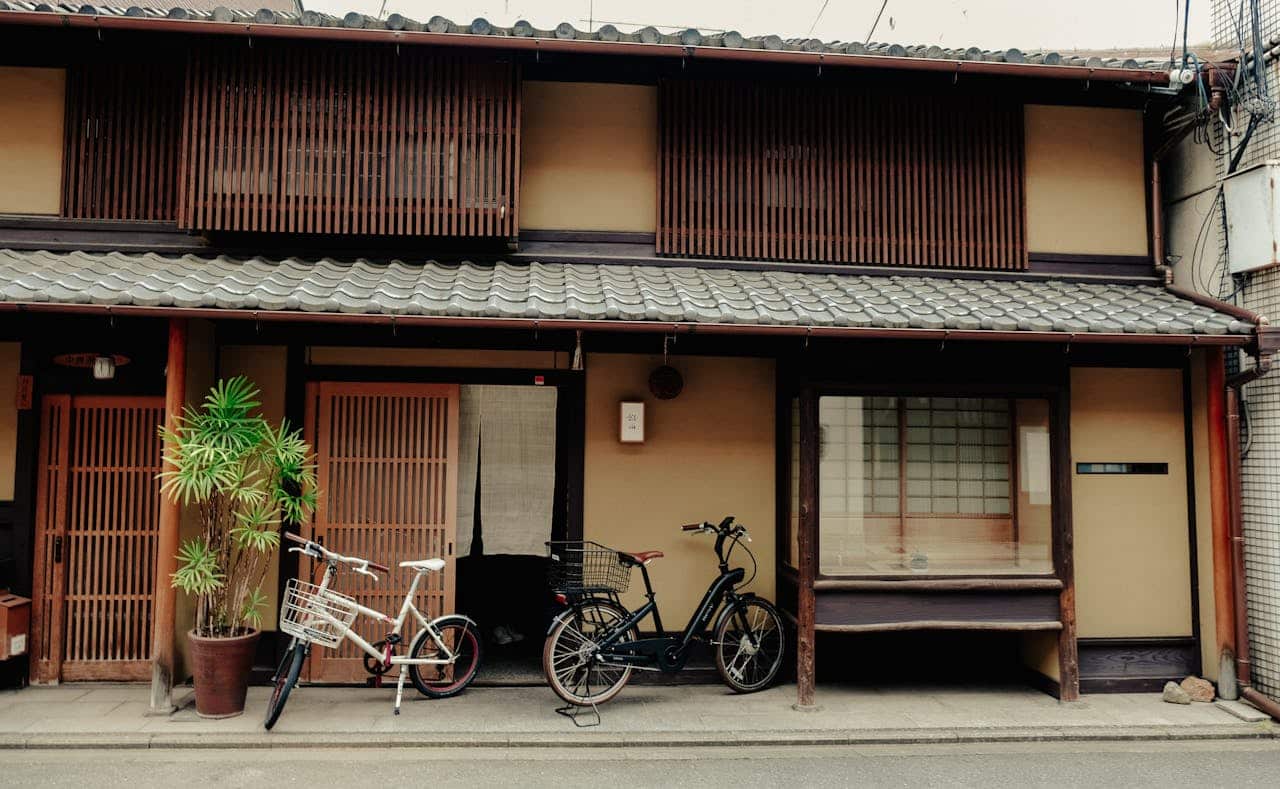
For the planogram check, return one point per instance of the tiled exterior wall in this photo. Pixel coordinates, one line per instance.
(1261, 466)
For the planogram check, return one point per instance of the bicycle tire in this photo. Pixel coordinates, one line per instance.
(464, 668)
(286, 677)
(571, 635)
(731, 645)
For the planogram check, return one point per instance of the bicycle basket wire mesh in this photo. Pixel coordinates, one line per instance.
(321, 617)
(585, 566)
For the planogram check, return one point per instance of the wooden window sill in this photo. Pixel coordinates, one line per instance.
(937, 584)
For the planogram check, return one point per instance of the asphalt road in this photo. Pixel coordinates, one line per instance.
(1191, 764)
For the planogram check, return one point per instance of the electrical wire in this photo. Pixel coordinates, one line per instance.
(821, 11)
(876, 23)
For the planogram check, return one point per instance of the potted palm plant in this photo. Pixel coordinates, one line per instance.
(242, 477)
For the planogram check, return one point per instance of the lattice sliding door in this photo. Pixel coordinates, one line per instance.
(387, 468)
(97, 518)
(827, 174)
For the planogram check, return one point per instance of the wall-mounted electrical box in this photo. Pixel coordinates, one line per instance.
(1253, 217)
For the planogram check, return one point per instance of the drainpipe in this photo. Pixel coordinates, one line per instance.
(1235, 522)
(1157, 225)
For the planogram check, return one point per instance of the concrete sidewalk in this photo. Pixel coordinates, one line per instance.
(97, 716)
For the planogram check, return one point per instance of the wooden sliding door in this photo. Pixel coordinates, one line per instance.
(386, 459)
(97, 517)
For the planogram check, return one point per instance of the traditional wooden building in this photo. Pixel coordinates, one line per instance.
(923, 348)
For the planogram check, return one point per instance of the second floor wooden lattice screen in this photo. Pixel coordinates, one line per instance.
(350, 140)
(121, 146)
(826, 174)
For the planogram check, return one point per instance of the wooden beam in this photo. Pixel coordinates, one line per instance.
(1064, 547)
(162, 644)
(807, 545)
(1220, 511)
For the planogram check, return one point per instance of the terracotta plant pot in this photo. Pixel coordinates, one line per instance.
(221, 669)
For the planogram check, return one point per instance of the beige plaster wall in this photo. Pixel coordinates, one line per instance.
(10, 367)
(1204, 515)
(1040, 653)
(1085, 180)
(437, 357)
(1132, 556)
(265, 366)
(708, 453)
(31, 110)
(589, 157)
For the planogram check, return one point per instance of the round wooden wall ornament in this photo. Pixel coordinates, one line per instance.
(665, 382)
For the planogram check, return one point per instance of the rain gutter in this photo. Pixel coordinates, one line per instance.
(515, 44)
(653, 326)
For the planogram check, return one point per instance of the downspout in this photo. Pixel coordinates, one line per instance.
(1157, 226)
(1236, 526)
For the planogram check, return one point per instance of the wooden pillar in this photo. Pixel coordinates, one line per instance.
(807, 546)
(1064, 547)
(165, 609)
(1220, 516)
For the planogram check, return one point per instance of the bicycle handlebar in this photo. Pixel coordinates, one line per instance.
(725, 528)
(319, 551)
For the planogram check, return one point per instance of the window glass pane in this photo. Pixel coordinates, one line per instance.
(969, 494)
(858, 482)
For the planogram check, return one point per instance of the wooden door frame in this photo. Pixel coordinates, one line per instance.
(570, 425)
(315, 412)
(48, 668)
(51, 668)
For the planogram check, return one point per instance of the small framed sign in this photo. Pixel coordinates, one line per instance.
(631, 413)
(23, 398)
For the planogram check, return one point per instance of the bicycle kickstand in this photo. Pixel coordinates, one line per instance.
(404, 672)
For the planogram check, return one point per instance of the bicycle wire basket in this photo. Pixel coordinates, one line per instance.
(585, 566)
(312, 614)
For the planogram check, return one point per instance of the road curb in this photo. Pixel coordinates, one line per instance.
(544, 740)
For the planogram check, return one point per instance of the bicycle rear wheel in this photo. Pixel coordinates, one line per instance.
(286, 677)
(442, 680)
(568, 656)
(749, 645)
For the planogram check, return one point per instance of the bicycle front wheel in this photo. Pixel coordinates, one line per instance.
(442, 680)
(749, 645)
(286, 677)
(569, 654)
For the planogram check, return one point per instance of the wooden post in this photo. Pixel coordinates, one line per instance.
(1064, 548)
(807, 545)
(1220, 519)
(162, 643)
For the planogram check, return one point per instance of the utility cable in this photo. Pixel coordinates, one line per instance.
(876, 23)
(821, 11)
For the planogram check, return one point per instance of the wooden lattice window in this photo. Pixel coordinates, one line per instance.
(823, 173)
(121, 126)
(350, 140)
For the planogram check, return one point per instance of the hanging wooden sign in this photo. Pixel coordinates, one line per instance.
(23, 398)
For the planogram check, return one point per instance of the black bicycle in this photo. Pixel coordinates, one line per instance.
(594, 645)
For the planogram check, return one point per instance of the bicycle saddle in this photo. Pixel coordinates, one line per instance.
(643, 557)
(425, 565)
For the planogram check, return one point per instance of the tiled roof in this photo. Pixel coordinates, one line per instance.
(239, 10)
(600, 292)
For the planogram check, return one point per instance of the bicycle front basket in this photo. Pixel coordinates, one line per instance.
(319, 616)
(585, 566)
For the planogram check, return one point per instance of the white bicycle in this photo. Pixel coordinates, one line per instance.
(442, 660)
